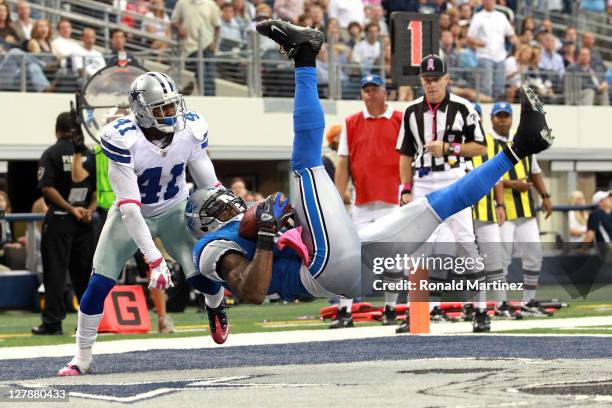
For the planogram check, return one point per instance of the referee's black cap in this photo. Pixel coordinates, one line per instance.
(433, 66)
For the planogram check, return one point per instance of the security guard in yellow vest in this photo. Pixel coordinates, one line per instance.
(489, 214)
(520, 231)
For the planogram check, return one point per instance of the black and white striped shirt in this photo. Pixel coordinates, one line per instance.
(454, 120)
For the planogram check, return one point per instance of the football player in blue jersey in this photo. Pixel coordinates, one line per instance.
(321, 256)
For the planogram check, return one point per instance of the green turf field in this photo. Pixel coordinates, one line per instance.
(15, 325)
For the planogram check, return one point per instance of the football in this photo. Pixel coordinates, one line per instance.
(248, 224)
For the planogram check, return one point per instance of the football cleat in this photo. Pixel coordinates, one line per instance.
(404, 327)
(505, 311)
(467, 313)
(291, 37)
(70, 370)
(217, 322)
(165, 325)
(438, 315)
(389, 316)
(533, 134)
(481, 322)
(533, 309)
(44, 330)
(343, 320)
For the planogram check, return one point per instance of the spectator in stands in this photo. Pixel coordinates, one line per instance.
(577, 218)
(90, 60)
(6, 234)
(571, 35)
(304, 20)
(547, 27)
(346, 11)
(334, 36)
(158, 23)
(592, 87)
(599, 224)
(24, 24)
(376, 16)
(445, 21)
(229, 28)
(569, 53)
(517, 67)
(135, 10)
(488, 31)
(41, 38)
(238, 187)
(588, 41)
(465, 12)
(367, 52)
(10, 71)
(198, 26)
(289, 10)
(354, 32)
(64, 46)
(528, 38)
(461, 82)
(8, 35)
(245, 12)
(528, 24)
(550, 60)
(118, 48)
(317, 16)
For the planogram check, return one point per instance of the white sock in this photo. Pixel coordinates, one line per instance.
(87, 331)
(528, 294)
(391, 299)
(478, 298)
(346, 303)
(213, 301)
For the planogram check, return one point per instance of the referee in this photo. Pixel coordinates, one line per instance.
(67, 241)
(439, 130)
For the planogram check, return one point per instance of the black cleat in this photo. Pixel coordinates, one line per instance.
(389, 316)
(291, 37)
(481, 322)
(467, 313)
(217, 322)
(44, 330)
(404, 327)
(533, 309)
(343, 320)
(505, 311)
(533, 134)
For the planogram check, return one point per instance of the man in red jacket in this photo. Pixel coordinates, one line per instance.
(367, 155)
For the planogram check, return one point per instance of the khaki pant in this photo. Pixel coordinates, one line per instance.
(115, 246)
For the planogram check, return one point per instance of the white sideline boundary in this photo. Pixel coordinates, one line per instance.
(301, 336)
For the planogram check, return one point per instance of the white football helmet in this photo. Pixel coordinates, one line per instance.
(149, 94)
(208, 209)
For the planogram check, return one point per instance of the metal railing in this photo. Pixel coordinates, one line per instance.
(268, 74)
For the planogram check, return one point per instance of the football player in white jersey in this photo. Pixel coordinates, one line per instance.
(148, 151)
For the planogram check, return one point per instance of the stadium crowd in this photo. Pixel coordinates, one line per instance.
(485, 67)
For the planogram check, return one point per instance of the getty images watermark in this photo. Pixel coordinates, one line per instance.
(407, 264)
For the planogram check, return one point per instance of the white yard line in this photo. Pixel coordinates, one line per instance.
(295, 336)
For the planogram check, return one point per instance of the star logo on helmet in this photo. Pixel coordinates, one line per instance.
(134, 94)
